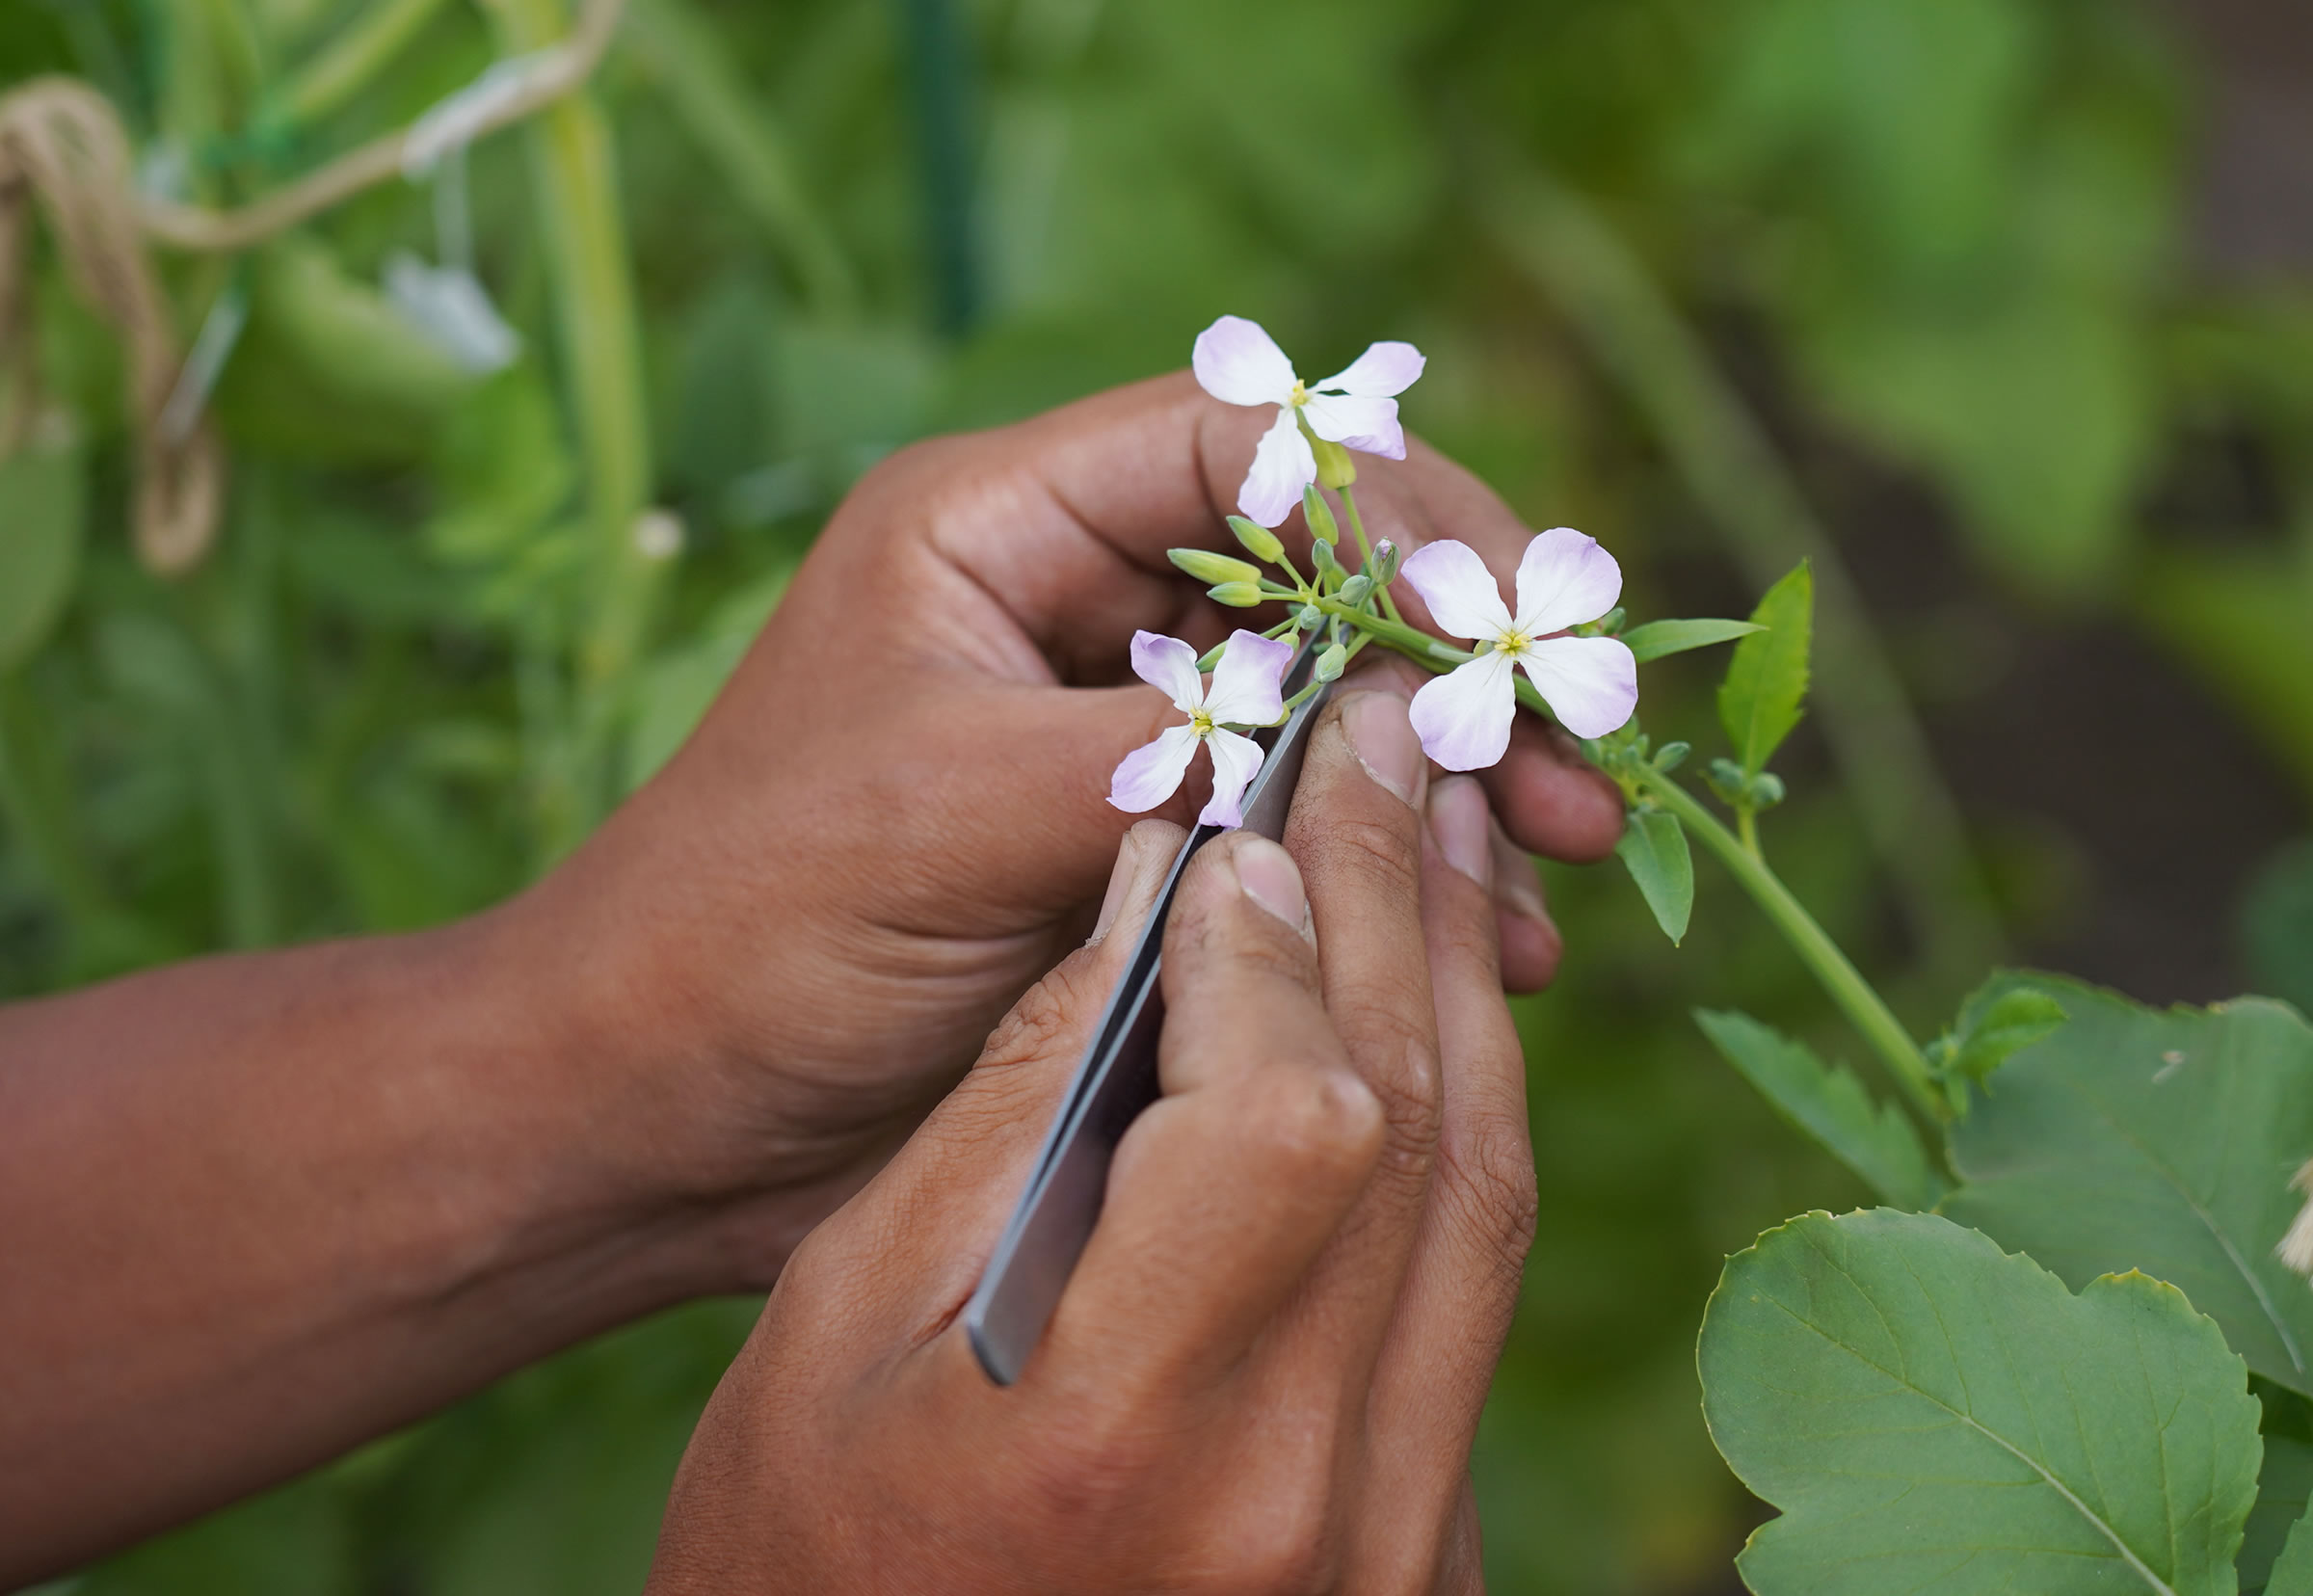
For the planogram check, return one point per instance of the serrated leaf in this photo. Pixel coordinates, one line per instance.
(2284, 1482)
(1933, 1415)
(1654, 850)
(1829, 1104)
(1767, 681)
(1657, 638)
(2132, 1138)
(41, 512)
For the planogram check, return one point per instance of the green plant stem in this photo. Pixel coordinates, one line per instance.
(352, 58)
(1365, 549)
(1747, 827)
(1855, 997)
(574, 180)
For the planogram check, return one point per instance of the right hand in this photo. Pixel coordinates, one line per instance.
(1268, 1369)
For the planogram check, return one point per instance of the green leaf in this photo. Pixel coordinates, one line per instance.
(41, 512)
(1997, 1021)
(1654, 850)
(1831, 1104)
(1767, 680)
(2132, 1138)
(1931, 1413)
(1657, 638)
(2293, 1573)
(2284, 1483)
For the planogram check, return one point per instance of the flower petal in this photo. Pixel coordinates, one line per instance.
(1246, 684)
(1151, 772)
(1463, 717)
(1236, 361)
(1170, 666)
(1282, 467)
(1459, 590)
(1567, 578)
(1384, 368)
(1590, 683)
(1357, 422)
(1236, 761)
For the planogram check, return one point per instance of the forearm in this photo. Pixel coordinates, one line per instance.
(259, 1208)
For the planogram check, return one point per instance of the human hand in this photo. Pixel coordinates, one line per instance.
(895, 816)
(1268, 1369)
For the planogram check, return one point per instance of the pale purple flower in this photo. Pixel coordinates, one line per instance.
(1247, 691)
(1357, 407)
(1590, 683)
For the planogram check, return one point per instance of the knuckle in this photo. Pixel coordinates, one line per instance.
(1384, 852)
(1321, 1121)
(1042, 1024)
(1487, 1185)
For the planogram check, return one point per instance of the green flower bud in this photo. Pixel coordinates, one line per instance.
(1259, 542)
(1767, 789)
(1725, 778)
(1207, 567)
(1308, 618)
(1212, 655)
(1609, 625)
(1357, 589)
(1321, 553)
(1236, 595)
(1673, 755)
(1335, 468)
(1332, 663)
(1319, 515)
(1385, 563)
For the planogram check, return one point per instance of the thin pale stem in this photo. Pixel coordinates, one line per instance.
(1357, 526)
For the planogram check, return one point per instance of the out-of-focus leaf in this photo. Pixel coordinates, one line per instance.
(1767, 681)
(296, 1541)
(677, 688)
(2186, 1126)
(1930, 1413)
(1654, 850)
(2284, 1483)
(1999, 1020)
(1658, 638)
(1831, 1104)
(41, 514)
(2293, 1573)
(2239, 618)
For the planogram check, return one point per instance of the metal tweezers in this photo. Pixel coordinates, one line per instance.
(1114, 1081)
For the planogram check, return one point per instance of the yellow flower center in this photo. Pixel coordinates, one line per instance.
(1513, 643)
(1299, 396)
(1201, 723)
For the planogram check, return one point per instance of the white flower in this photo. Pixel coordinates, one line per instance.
(1247, 691)
(1590, 683)
(1240, 364)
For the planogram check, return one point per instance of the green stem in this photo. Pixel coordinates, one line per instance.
(1747, 827)
(1365, 549)
(1840, 978)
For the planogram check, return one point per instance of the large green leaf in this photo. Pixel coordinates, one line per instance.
(1933, 1415)
(2284, 1482)
(1831, 1104)
(1654, 850)
(2293, 1574)
(1767, 680)
(40, 518)
(2132, 1138)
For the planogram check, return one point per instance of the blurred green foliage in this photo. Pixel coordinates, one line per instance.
(429, 652)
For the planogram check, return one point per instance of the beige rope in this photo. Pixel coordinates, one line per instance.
(61, 141)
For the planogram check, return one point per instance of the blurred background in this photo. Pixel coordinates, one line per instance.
(2001, 311)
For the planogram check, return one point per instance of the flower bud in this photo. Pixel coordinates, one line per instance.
(1212, 655)
(1384, 562)
(1357, 589)
(1673, 754)
(1236, 595)
(1259, 542)
(1332, 663)
(1310, 618)
(1319, 515)
(1767, 789)
(1321, 553)
(1207, 567)
(1335, 468)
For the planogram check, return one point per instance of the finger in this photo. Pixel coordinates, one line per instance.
(937, 1209)
(1461, 1288)
(1223, 1193)
(1531, 943)
(1550, 799)
(1355, 830)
